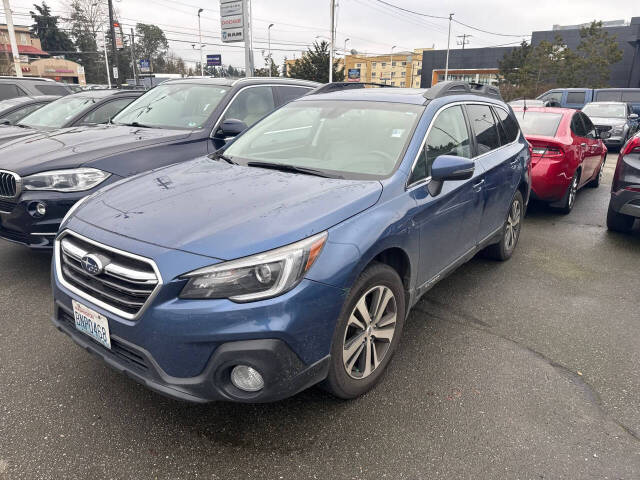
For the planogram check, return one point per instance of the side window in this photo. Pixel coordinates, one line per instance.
(105, 112)
(590, 128)
(577, 126)
(609, 96)
(483, 127)
(8, 90)
(285, 93)
(20, 113)
(448, 135)
(575, 97)
(251, 104)
(509, 124)
(556, 96)
(47, 89)
(631, 96)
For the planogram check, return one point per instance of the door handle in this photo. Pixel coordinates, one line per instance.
(478, 185)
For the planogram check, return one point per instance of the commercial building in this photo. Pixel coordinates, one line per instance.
(400, 69)
(481, 64)
(35, 62)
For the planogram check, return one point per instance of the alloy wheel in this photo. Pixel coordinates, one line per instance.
(573, 190)
(369, 333)
(601, 173)
(512, 229)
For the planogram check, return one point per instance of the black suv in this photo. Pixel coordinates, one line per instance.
(46, 174)
(86, 108)
(624, 206)
(11, 87)
(12, 110)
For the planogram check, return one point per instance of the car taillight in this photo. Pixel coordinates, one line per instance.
(546, 151)
(632, 146)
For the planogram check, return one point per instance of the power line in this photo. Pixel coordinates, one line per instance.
(490, 33)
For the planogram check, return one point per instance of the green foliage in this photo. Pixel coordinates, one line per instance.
(152, 44)
(528, 71)
(85, 42)
(46, 28)
(314, 65)
(270, 69)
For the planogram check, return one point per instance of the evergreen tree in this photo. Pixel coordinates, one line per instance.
(45, 27)
(314, 65)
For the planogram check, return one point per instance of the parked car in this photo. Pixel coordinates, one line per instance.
(579, 97)
(11, 87)
(176, 121)
(624, 206)
(86, 108)
(615, 118)
(567, 153)
(12, 110)
(293, 255)
(523, 102)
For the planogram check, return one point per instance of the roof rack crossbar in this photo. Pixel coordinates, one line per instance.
(453, 87)
(335, 86)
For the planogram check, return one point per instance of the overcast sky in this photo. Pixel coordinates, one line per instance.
(371, 26)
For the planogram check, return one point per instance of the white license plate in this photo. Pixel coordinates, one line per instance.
(92, 323)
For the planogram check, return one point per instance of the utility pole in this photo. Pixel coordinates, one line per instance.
(269, 36)
(114, 62)
(106, 58)
(446, 68)
(465, 40)
(12, 38)
(333, 38)
(133, 58)
(248, 39)
(200, 41)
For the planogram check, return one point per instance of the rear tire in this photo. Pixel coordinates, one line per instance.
(367, 332)
(510, 231)
(619, 222)
(569, 198)
(595, 183)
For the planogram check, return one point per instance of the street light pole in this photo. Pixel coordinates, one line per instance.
(12, 38)
(269, 36)
(446, 68)
(391, 63)
(345, 45)
(133, 58)
(333, 38)
(200, 41)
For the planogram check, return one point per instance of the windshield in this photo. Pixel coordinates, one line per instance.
(58, 113)
(605, 110)
(174, 105)
(346, 139)
(539, 123)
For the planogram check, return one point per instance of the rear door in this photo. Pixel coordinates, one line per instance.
(583, 147)
(595, 147)
(576, 99)
(499, 165)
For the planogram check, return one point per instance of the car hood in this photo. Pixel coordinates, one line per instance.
(76, 146)
(607, 121)
(11, 132)
(225, 211)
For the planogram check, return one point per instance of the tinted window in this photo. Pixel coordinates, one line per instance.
(588, 125)
(575, 97)
(631, 96)
(484, 128)
(48, 89)
(251, 104)
(577, 126)
(20, 113)
(609, 96)
(286, 94)
(448, 135)
(105, 112)
(557, 96)
(539, 123)
(509, 124)
(174, 105)
(8, 90)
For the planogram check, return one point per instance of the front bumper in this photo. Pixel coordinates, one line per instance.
(615, 141)
(626, 202)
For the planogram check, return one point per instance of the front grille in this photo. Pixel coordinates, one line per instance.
(123, 285)
(9, 184)
(123, 352)
(603, 128)
(7, 207)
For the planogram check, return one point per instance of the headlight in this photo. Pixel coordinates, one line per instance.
(74, 180)
(260, 276)
(617, 130)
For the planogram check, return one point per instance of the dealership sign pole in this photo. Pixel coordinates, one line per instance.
(235, 23)
(12, 38)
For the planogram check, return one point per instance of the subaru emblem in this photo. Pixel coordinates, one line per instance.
(92, 264)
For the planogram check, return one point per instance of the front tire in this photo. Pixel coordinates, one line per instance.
(510, 231)
(367, 332)
(619, 222)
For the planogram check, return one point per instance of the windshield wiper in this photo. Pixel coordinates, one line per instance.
(135, 124)
(291, 168)
(222, 156)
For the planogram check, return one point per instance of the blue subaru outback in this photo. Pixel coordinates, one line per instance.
(292, 256)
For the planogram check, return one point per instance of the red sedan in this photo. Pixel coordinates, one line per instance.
(567, 153)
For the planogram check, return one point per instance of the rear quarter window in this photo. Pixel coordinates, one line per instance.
(631, 96)
(52, 89)
(609, 96)
(10, 90)
(510, 126)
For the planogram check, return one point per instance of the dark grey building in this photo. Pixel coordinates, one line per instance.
(480, 62)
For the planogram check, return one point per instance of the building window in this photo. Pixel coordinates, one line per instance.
(393, 84)
(373, 65)
(404, 64)
(393, 74)
(403, 84)
(393, 64)
(373, 73)
(403, 73)
(384, 64)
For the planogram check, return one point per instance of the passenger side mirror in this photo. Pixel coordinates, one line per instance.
(4, 121)
(231, 128)
(448, 168)
(633, 116)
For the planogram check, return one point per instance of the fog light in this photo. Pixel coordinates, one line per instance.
(41, 209)
(246, 378)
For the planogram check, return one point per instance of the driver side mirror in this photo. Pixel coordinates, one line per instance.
(449, 168)
(231, 128)
(633, 116)
(4, 121)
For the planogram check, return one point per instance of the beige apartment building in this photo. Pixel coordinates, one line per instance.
(402, 69)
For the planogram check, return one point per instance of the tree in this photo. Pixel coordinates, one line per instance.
(270, 69)
(151, 44)
(84, 37)
(46, 28)
(314, 65)
(597, 51)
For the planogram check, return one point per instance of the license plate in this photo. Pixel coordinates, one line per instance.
(92, 323)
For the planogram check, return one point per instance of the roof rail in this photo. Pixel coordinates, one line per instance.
(34, 79)
(452, 87)
(335, 86)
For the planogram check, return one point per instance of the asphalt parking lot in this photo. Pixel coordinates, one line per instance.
(527, 369)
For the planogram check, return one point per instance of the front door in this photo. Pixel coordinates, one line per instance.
(448, 223)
